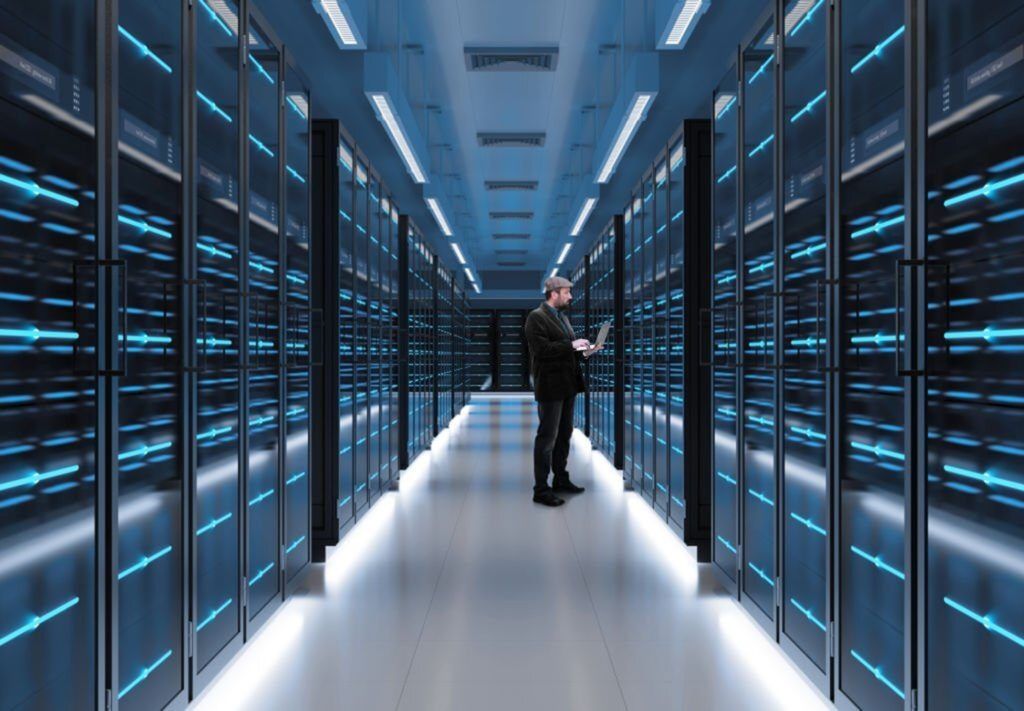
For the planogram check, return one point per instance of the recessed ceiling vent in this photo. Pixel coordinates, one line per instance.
(511, 264)
(510, 184)
(511, 235)
(511, 215)
(510, 140)
(511, 252)
(511, 59)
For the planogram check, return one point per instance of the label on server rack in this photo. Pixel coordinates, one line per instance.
(988, 69)
(25, 66)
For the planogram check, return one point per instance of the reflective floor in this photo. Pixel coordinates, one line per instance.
(459, 593)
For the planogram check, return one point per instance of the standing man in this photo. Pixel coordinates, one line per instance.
(555, 357)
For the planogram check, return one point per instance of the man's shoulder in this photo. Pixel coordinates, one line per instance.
(536, 313)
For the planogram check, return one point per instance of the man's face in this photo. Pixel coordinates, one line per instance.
(561, 298)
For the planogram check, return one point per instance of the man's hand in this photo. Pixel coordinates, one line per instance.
(581, 344)
(593, 351)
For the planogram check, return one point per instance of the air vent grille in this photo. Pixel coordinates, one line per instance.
(510, 184)
(512, 235)
(511, 252)
(511, 215)
(495, 139)
(511, 59)
(511, 264)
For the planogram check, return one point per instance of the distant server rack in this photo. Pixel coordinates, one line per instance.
(480, 349)
(155, 317)
(867, 193)
(657, 250)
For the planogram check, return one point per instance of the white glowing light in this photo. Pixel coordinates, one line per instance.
(581, 220)
(683, 22)
(636, 115)
(438, 213)
(398, 137)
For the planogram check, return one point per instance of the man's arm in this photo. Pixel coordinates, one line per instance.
(543, 347)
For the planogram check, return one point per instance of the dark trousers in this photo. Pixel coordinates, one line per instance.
(551, 445)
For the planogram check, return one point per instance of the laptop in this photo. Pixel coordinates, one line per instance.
(602, 336)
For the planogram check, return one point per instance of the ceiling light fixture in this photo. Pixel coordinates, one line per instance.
(637, 113)
(564, 254)
(385, 94)
(581, 220)
(682, 21)
(338, 17)
(469, 275)
(386, 115)
(458, 253)
(442, 221)
(639, 89)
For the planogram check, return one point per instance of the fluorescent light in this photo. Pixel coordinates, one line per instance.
(469, 275)
(338, 22)
(227, 14)
(581, 220)
(299, 102)
(554, 272)
(476, 287)
(723, 103)
(387, 117)
(565, 251)
(685, 14)
(636, 114)
(442, 222)
(458, 253)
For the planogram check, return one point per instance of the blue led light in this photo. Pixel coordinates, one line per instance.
(809, 524)
(807, 18)
(877, 672)
(213, 106)
(263, 496)
(809, 106)
(259, 67)
(761, 70)
(145, 673)
(213, 615)
(294, 478)
(295, 107)
(877, 51)
(144, 450)
(762, 145)
(34, 624)
(261, 145)
(144, 562)
(144, 227)
(761, 574)
(295, 544)
(878, 339)
(985, 477)
(295, 174)
(215, 18)
(725, 109)
(35, 190)
(36, 478)
(259, 575)
(878, 226)
(726, 543)
(761, 497)
(808, 614)
(147, 53)
(987, 190)
(985, 621)
(987, 334)
(214, 523)
(878, 450)
(879, 563)
(722, 178)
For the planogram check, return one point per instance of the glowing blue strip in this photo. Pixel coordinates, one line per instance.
(985, 621)
(726, 477)
(809, 524)
(295, 174)
(878, 338)
(877, 671)
(877, 450)
(761, 70)
(345, 215)
(213, 106)
(808, 614)
(295, 478)
(344, 501)
(877, 51)
(985, 477)
(144, 450)
(984, 191)
(145, 338)
(878, 226)
(677, 501)
(809, 106)
(361, 486)
(146, 52)
(37, 477)
(726, 543)
(879, 563)
(761, 497)
(986, 334)
(263, 571)
(144, 562)
(145, 673)
(726, 279)
(262, 497)
(295, 107)
(35, 190)
(36, 621)
(213, 615)
(807, 18)
(295, 544)
(260, 69)
(213, 524)
(762, 145)
(260, 145)
(726, 175)
(726, 108)
(144, 227)
(761, 574)
(808, 251)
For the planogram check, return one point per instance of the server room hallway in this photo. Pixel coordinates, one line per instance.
(457, 592)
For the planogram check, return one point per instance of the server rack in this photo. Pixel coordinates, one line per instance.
(599, 269)
(580, 279)
(480, 349)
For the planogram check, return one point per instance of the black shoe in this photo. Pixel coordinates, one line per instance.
(563, 485)
(547, 498)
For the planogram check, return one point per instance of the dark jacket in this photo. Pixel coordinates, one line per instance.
(554, 363)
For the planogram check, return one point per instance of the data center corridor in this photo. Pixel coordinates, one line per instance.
(458, 593)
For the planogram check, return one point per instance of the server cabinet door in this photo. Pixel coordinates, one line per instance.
(152, 549)
(975, 336)
(298, 326)
(263, 487)
(48, 495)
(346, 336)
(871, 460)
(803, 331)
(722, 325)
(360, 254)
(675, 333)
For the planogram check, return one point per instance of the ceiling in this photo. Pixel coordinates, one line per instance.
(511, 237)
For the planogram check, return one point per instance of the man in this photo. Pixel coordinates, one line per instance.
(555, 357)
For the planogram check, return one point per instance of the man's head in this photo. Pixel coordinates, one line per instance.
(558, 292)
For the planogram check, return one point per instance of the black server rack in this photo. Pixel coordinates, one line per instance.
(512, 370)
(600, 270)
(480, 350)
(461, 341)
(581, 312)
